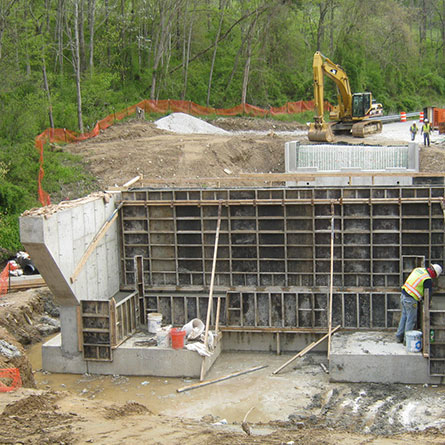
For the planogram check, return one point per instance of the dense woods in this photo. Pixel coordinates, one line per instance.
(69, 63)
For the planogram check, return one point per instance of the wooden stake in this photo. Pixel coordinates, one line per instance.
(220, 379)
(99, 235)
(306, 349)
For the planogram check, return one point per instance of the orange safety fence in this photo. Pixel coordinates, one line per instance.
(4, 280)
(10, 379)
(62, 135)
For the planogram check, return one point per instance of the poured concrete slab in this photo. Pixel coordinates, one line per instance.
(129, 359)
(376, 357)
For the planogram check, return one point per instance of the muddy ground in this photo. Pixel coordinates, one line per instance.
(307, 408)
(317, 412)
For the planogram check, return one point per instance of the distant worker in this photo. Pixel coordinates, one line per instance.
(412, 292)
(413, 129)
(426, 130)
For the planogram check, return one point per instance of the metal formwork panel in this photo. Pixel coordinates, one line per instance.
(274, 244)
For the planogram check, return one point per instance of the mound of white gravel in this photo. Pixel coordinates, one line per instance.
(185, 124)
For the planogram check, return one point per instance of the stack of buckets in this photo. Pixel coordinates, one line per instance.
(162, 335)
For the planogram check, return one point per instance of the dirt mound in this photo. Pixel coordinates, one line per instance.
(256, 124)
(139, 148)
(34, 420)
(129, 409)
(32, 404)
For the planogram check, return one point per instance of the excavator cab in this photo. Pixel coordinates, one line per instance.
(361, 104)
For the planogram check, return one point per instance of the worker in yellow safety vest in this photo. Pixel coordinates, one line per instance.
(412, 292)
(426, 130)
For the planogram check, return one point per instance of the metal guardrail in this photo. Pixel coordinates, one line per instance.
(393, 117)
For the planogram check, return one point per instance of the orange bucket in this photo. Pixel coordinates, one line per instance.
(177, 338)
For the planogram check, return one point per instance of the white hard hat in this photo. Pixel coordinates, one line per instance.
(437, 268)
(426, 120)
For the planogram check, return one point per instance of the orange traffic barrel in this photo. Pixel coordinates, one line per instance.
(403, 116)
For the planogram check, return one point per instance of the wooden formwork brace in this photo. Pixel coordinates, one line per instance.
(99, 235)
(307, 349)
(210, 302)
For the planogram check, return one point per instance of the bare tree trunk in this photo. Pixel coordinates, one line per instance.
(246, 72)
(107, 14)
(91, 21)
(59, 32)
(215, 48)
(39, 31)
(75, 51)
(167, 11)
(187, 48)
(81, 36)
(423, 21)
(331, 28)
(323, 6)
(48, 93)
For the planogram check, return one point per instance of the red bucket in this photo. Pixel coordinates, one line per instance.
(177, 338)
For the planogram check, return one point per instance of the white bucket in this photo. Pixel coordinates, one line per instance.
(154, 322)
(163, 337)
(193, 329)
(413, 341)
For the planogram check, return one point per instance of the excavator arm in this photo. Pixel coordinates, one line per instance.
(321, 66)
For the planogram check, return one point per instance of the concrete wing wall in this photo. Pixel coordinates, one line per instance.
(57, 237)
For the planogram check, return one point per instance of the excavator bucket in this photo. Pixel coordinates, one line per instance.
(320, 132)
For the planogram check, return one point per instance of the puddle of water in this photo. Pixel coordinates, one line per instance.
(274, 397)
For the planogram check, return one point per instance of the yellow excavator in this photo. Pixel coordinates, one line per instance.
(351, 115)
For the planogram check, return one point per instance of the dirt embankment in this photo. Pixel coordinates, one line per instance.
(25, 318)
(254, 145)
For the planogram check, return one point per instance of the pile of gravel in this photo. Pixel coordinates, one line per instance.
(185, 124)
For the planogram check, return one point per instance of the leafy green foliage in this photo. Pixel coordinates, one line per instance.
(382, 44)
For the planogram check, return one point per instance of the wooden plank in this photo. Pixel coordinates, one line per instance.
(113, 334)
(25, 282)
(220, 379)
(212, 281)
(426, 325)
(99, 235)
(79, 328)
(274, 329)
(307, 349)
(273, 202)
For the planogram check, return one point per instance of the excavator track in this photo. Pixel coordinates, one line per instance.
(365, 128)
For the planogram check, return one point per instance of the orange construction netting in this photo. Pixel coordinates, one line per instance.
(10, 379)
(158, 106)
(4, 280)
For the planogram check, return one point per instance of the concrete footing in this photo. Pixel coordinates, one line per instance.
(376, 357)
(130, 359)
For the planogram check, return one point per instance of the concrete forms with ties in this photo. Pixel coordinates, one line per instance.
(272, 271)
